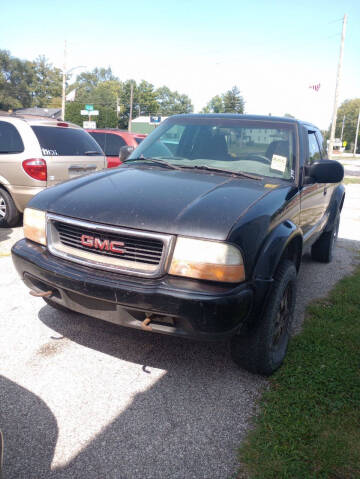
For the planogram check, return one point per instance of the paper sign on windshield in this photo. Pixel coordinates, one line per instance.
(278, 162)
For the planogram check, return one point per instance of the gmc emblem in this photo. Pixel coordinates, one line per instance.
(105, 245)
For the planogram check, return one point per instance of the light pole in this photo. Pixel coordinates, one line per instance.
(64, 74)
(338, 77)
(356, 134)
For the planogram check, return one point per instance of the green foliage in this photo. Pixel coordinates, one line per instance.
(172, 102)
(16, 78)
(228, 102)
(349, 108)
(26, 84)
(309, 426)
(144, 101)
(47, 83)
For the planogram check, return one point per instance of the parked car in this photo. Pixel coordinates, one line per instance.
(201, 239)
(112, 139)
(36, 153)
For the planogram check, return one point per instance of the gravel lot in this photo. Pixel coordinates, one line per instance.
(80, 398)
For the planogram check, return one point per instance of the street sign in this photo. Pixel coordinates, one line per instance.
(89, 124)
(89, 107)
(89, 112)
(155, 119)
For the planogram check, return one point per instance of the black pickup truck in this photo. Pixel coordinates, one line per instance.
(199, 233)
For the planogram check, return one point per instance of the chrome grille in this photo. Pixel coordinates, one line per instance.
(135, 249)
(143, 253)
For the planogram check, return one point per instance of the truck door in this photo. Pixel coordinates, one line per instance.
(313, 195)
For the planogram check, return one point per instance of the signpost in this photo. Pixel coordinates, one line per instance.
(155, 120)
(89, 112)
(89, 124)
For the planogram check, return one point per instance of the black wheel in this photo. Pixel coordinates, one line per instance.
(262, 349)
(322, 250)
(58, 306)
(9, 214)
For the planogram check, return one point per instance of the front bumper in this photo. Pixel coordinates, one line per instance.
(177, 306)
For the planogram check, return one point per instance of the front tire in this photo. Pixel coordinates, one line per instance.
(262, 349)
(9, 214)
(322, 250)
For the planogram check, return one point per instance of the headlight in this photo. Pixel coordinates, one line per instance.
(208, 260)
(35, 225)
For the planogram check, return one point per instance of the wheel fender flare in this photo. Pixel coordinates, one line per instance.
(3, 182)
(273, 248)
(335, 205)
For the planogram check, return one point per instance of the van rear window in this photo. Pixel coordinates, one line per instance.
(56, 141)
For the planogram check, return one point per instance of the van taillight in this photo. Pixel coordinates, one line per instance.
(36, 168)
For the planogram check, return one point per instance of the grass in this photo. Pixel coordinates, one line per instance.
(309, 424)
(351, 181)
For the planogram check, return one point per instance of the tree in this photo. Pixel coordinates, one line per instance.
(228, 102)
(144, 101)
(87, 82)
(172, 102)
(349, 109)
(47, 82)
(16, 78)
(215, 105)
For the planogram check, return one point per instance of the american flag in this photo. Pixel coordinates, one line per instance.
(315, 87)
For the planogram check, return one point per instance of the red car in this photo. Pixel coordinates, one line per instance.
(112, 139)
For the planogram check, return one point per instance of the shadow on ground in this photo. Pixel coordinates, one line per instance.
(30, 431)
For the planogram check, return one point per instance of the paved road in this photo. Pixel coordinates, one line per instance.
(84, 399)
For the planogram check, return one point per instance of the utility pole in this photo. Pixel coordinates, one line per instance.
(63, 85)
(357, 133)
(342, 128)
(338, 78)
(131, 104)
(117, 106)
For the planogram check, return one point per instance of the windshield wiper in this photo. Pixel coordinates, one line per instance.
(219, 170)
(92, 152)
(153, 161)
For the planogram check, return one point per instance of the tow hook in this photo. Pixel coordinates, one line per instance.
(145, 324)
(42, 294)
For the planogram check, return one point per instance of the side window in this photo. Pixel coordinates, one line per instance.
(99, 138)
(113, 143)
(322, 145)
(10, 140)
(314, 150)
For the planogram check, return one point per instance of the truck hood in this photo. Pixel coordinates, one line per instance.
(178, 202)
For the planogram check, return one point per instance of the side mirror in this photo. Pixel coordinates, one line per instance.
(326, 171)
(125, 151)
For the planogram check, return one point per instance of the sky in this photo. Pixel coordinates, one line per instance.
(272, 50)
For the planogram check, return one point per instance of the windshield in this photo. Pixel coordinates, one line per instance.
(65, 141)
(265, 148)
